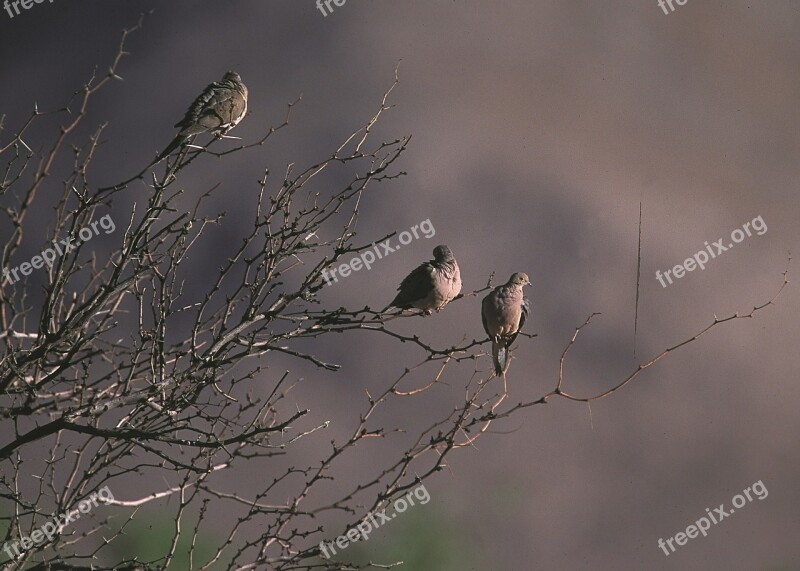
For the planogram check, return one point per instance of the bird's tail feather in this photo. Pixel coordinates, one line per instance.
(176, 142)
(500, 357)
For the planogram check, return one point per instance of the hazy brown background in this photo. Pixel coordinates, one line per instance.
(538, 126)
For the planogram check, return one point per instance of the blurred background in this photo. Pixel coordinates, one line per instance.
(538, 129)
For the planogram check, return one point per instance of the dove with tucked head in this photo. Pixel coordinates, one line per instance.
(431, 285)
(218, 109)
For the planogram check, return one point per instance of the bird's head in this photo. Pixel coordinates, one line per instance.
(519, 279)
(443, 254)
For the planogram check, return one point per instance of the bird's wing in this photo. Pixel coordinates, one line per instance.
(484, 308)
(196, 108)
(209, 103)
(526, 306)
(416, 286)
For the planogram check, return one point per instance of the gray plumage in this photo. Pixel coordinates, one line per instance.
(504, 312)
(431, 285)
(218, 109)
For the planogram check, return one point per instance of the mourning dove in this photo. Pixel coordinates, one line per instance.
(504, 312)
(431, 285)
(218, 109)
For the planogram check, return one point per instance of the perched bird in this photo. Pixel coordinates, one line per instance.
(218, 109)
(504, 312)
(431, 285)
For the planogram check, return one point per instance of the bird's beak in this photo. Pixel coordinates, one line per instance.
(528, 284)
